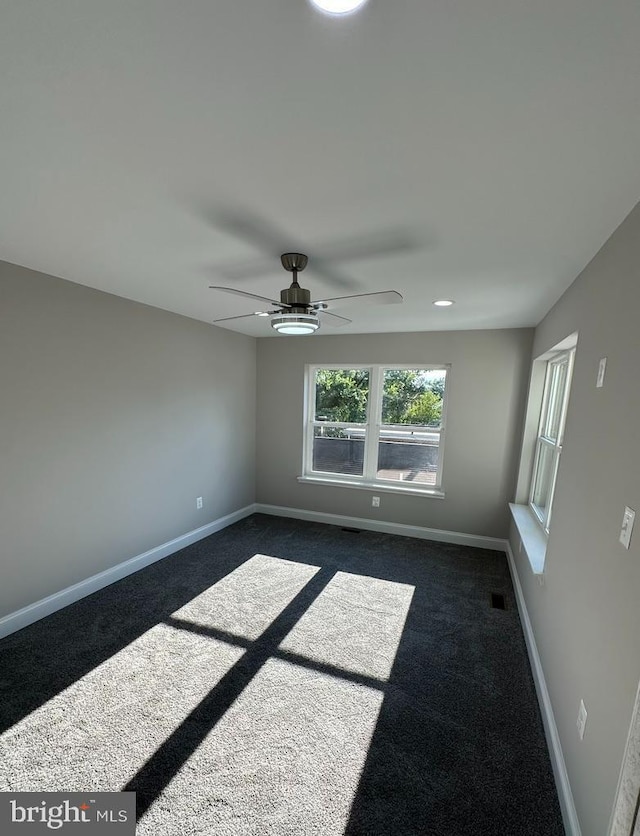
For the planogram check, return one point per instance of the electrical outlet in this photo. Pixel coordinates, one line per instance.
(375, 501)
(199, 503)
(581, 722)
(627, 526)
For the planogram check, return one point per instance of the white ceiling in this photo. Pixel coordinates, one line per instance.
(151, 148)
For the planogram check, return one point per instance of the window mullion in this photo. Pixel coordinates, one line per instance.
(374, 415)
(307, 453)
(443, 430)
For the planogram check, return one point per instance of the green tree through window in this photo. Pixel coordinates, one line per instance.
(342, 394)
(426, 410)
(409, 396)
(376, 425)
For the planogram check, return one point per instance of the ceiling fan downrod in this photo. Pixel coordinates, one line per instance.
(295, 297)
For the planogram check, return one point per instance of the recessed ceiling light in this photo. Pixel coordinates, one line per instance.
(443, 303)
(261, 313)
(338, 7)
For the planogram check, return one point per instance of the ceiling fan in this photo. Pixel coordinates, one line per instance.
(260, 234)
(295, 313)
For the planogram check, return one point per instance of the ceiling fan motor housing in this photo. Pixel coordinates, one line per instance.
(296, 297)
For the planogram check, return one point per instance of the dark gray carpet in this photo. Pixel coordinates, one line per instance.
(283, 677)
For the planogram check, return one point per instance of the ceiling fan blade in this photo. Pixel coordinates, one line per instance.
(249, 295)
(256, 268)
(372, 245)
(242, 316)
(322, 267)
(247, 226)
(381, 297)
(267, 267)
(334, 319)
(250, 227)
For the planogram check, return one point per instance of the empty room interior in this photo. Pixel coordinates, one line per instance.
(319, 410)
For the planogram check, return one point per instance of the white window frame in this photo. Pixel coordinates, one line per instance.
(554, 445)
(372, 428)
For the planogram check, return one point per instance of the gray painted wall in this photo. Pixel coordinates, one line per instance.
(586, 617)
(114, 417)
(488, 382)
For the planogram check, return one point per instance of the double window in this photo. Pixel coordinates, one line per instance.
(550, 435)
(376, 425)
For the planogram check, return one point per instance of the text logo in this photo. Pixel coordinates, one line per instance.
(85, 814)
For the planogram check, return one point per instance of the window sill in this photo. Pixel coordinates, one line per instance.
(431, 493)
(533, 538)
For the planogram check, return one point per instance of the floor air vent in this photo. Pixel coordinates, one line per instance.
(497, 601)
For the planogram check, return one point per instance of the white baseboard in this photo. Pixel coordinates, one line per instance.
(40, 609)
(565, 796)
(418, 531)
(34, 612)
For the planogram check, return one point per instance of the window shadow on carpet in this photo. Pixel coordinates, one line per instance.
(55, 652)
(444, 723)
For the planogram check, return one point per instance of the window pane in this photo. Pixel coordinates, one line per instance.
(408, 456)
(342, 395)
(413, 396)
(557, 386)
(543, 480)
(338, 450)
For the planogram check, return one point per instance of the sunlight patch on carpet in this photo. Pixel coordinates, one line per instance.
(286, 758)
(99, 731)
(355, 624)
(246, 601)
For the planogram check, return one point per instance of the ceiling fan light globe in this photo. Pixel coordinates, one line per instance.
(338, 7)
(295, 324)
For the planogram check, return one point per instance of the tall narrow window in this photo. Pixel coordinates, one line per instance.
(550, 435)
(376, 425)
